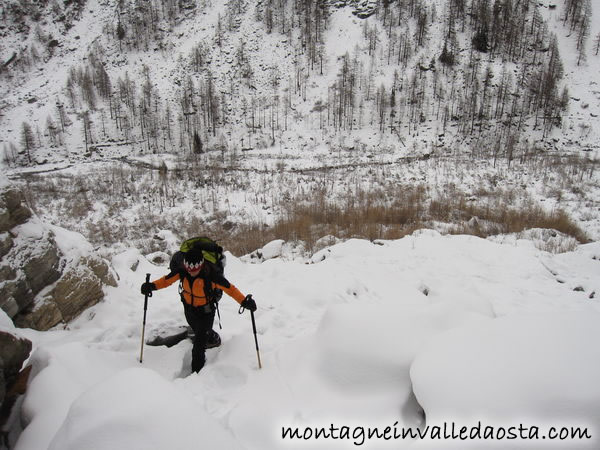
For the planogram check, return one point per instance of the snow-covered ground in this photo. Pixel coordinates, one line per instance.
(478, 333)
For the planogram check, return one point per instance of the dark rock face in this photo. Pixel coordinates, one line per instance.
(13, 352)
(6, 244)
(12, 211)
(31, 264)
(41, 267)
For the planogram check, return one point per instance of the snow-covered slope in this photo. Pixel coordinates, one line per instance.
(489, 332)
(30, 94)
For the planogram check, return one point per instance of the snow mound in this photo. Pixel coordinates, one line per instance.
(373, 345)
(108, 417)
(271, 250)
(532, 369)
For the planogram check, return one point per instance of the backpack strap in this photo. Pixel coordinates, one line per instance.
(210, 276)
(221, 280)
(184, 275)
(174, 272)
(212, 295)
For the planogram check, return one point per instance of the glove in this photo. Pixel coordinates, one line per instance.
(249, 303)
(147, 288)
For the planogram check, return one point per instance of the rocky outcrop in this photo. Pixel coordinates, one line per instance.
(12, 210)
(31, 264)
(13, 352)
(79, 287)
(42, 285)
(29, 259)
(360, 8)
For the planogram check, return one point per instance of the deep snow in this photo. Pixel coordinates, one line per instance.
(500, 333)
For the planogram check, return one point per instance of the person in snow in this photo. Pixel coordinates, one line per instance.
(196, 282)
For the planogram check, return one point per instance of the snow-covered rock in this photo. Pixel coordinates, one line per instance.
(49, 275)
(271, 250)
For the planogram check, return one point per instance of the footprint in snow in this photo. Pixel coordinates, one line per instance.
(226, 376)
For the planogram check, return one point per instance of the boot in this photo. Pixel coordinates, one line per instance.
(212, 339)
(198, 358)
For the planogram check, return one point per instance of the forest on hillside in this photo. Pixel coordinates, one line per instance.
(481, 67)
(440, 114)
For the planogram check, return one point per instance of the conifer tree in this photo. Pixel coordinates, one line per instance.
(27, 140)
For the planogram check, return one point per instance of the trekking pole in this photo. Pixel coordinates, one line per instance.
(254, 331)
(144, 322)
(255, 339)
(218, 314)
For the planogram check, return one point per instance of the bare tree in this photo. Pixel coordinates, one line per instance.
(121, 33)
(53, 131)
(61, 115)
(85, 116)
(10, 153)
(583, 31)
(87, 88)
(421, 32)
(27, 140)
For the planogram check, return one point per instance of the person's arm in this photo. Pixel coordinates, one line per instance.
(166, 281)
(161, 283)
(244, 300)
(230, 290)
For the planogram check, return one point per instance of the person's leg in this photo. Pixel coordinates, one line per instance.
(212, 337)
(200, 323)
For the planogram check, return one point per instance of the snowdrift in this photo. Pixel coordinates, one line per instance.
(375, 335)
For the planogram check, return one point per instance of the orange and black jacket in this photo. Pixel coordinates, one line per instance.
(193, 290)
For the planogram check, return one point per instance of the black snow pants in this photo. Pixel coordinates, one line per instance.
(201, 320)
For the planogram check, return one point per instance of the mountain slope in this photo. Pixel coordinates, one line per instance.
(246, 107)
(273, 77)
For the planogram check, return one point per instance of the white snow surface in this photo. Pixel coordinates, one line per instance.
(521, 366)
(6, 324)
(471, 330)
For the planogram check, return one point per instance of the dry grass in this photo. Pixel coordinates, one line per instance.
(138, 202)
(370, 216)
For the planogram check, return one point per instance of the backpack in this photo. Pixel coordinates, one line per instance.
(214, 261)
